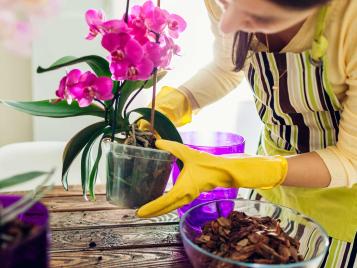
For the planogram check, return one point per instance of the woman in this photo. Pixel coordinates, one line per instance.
(300, 59)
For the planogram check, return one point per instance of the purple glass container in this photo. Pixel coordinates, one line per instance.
(217, 143)
(33, 251)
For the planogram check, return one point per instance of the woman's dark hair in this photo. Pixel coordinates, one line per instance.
(242, 40)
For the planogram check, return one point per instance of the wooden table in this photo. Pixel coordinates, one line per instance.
(98, 234)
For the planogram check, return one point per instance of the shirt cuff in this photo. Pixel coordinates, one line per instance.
(190, 97)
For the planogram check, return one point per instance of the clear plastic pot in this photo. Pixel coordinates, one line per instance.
(136, 175)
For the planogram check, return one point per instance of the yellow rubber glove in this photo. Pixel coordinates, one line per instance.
(203, 172)
(174, 105)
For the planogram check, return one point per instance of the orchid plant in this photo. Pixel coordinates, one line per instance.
(140, 46)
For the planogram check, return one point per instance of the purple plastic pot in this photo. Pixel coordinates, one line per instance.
(217, 143)
(33, 251)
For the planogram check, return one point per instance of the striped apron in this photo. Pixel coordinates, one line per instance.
(301, 114)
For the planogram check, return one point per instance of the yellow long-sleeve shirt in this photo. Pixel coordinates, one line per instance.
(217, 79)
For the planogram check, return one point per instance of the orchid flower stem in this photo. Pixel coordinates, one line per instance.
(152, 116)
(134, 96)
(158, 3)
(154, 80)
(126, 17)
(106, 115)
(114, 121)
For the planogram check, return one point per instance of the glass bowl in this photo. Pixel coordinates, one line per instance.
(313, 239)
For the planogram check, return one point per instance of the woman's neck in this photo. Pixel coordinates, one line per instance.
(277, 41)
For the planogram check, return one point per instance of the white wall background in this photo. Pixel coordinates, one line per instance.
(61, 36)
(64, 35)
(15, 77)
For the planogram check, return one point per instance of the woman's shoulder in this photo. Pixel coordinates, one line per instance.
(342, 23)
(342, 11)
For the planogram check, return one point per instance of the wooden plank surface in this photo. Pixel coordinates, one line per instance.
(99, 234)
(76, 203)
(82, 219)
(116, 237)
(73, 190)
(141, 257)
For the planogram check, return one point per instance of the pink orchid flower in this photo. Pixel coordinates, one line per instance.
(154, 18)
(157, 20)
(176, 25)
(132, 71)
(95, 19)
(127, 57)
(84, 88)
(137, 21)
(98, 25)
(114, 26)
(153, 52)
(168, 50)
(138, 29)
(122, 47)
(142, 11)
(91, 87)
(67, 82)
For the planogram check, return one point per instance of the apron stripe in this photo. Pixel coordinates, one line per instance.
(263, 99)
(318, 243)
(318, 75)
(351, 263)
(327, 106)
(345, 254)
(300, 231)
(269, 85)
(304, 82)
(287, 107)
(277, 74)
(323, 264)
(323, 131)
(289, 128)
(307, 97)
(335, 114)
(291, 228)
(262, 108)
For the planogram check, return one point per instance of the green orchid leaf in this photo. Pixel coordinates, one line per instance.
(94, 171)
(131, 86)
(115, 87)
(98, 64)
(164, 127)
(75, 146)
(51, 108)
(20, 178)
(86, 161)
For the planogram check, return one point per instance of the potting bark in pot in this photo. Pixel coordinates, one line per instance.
(140, 48)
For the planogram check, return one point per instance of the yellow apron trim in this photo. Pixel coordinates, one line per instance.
(320, 44)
